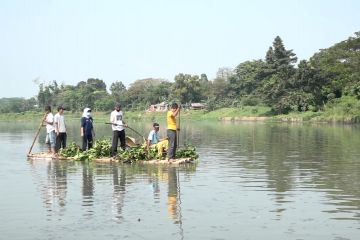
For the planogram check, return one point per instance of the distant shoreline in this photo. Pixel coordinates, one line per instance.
(345, 120)
(253, 114)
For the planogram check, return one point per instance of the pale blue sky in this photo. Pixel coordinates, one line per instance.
(73, 40)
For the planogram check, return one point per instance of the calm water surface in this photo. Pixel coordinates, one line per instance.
(252, 181)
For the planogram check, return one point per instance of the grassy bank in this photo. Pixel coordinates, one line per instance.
(344, 110)
(341, 110)
(149, 116)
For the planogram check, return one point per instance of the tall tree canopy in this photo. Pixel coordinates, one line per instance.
(275, 81)
(342, 64)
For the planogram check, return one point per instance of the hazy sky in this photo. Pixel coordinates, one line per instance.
(73, 40)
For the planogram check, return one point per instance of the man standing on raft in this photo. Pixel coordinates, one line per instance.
(118, 127)
(171, 131)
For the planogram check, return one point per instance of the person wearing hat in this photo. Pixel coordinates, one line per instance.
(154, 141)
(50, 130)
(87, 129)
(118, 128)
(60, 129)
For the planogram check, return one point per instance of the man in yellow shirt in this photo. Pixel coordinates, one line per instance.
(171, 131)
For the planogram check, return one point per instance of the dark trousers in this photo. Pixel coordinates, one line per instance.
(115, 140)
(171, 134)
(60, 141)
(87, 142)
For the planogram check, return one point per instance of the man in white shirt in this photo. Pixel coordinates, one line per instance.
(50, 130)
(60, 129)
(118, 128)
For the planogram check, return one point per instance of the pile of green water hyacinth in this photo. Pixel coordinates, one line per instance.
(102, 149)
(142, 153)
(134, 154)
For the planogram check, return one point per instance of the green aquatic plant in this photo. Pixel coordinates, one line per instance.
(70, 151)
(188, 151)
(141, 153)
(134, 154)
(101, 148)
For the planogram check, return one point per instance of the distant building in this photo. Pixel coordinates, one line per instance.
(197, 106)
(164, 106)
(160, 107)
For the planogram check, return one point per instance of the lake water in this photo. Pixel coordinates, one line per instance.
(252, 181)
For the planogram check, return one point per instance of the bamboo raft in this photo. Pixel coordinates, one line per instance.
(49, 156)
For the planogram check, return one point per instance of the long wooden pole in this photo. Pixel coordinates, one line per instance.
(128, 128)
(178, 132)
(37, 133)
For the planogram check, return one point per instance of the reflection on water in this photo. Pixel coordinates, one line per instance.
(119, 191)
(87, 189)
(172, 193)
(52, 186)
(254, 180)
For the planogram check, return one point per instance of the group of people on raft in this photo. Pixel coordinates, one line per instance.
(56, 133)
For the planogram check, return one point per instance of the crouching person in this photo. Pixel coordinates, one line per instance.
(155, 142)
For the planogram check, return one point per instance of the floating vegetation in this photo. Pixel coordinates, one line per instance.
(134, 154)
(102, 149)
(70, 151)
(189, 151)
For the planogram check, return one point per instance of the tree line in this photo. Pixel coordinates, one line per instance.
(277, 81)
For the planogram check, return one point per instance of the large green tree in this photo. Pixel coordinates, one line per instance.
(118, 91)
(187, 88)
(144, 92)
(48, 94)
(278, 73)
(250, 75)
(342, 64)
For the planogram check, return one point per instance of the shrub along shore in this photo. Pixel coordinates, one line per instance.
(345, 113)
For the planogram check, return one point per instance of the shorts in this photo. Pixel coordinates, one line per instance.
(50, 138)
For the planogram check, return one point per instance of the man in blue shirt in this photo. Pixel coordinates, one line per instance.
(155, 142)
